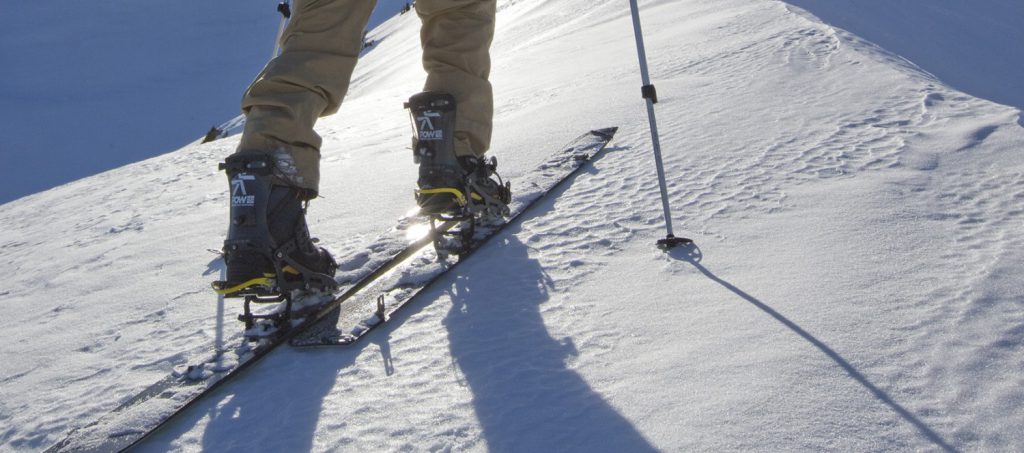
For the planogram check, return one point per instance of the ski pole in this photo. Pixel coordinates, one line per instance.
(286, 13)
(651, 96)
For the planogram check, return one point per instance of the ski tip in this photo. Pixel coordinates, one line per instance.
(606, 133)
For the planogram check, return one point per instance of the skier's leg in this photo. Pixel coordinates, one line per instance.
(276, 167)
(454, 114)
(456, 37)
(308, 80)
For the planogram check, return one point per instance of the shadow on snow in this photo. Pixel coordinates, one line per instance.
(692, 255)
(525, 396)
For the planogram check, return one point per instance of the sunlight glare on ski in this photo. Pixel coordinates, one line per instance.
(417, 232)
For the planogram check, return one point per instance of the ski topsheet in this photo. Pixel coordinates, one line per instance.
(387, 276)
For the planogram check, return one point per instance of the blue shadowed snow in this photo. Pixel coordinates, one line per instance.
(78, 98)
(973, 46)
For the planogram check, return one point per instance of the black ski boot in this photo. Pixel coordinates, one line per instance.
(268, 250)
(449, 185)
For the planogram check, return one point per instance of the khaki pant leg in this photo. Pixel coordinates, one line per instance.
(308, 80)
(456, 37)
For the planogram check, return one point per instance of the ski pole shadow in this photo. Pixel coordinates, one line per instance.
(525, 396)
(692, 254)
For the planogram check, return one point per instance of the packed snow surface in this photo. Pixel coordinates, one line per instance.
(855, 283)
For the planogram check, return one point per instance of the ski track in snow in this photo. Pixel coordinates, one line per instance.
(777, 131)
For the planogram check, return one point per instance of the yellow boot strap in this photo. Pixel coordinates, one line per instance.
(258, 281)
(455, 192)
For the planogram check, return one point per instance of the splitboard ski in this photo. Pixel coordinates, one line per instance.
(382, 279)
(375, 304)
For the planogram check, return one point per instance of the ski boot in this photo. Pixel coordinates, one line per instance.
(450, 184)
(269, 254)
(452, 187)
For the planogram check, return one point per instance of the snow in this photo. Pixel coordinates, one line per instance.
(854, 284)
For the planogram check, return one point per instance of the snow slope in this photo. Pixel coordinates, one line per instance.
(969, 45)
(854, 284)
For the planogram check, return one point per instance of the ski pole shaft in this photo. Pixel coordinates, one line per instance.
(286, 13)
(660, 167)
(651, 97)
(640, 51)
